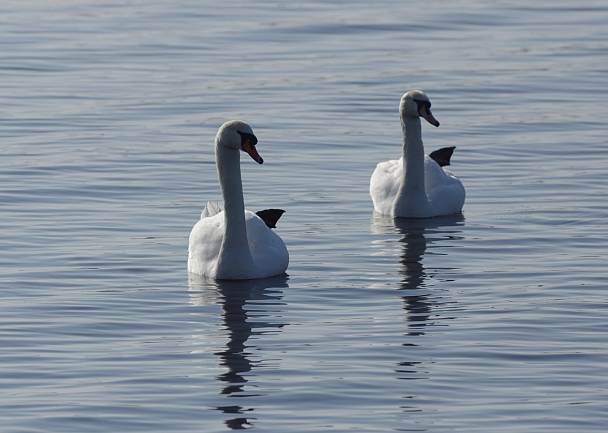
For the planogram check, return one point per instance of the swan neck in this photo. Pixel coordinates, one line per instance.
(413, 154)
(229, 173)
(411, 198)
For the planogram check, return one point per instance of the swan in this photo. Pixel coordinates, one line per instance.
(229, 242)
(416, 186)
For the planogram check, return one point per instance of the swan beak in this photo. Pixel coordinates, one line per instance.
(425, 112)
(249, 147)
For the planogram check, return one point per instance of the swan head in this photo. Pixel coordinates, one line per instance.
(236, 134)
(416, 104)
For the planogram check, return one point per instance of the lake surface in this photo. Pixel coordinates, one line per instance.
(492, 321)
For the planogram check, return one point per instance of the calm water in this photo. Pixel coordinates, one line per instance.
(495, 321)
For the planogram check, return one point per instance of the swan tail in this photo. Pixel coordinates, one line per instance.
(270, 216)
(442, 156)
(212, 208)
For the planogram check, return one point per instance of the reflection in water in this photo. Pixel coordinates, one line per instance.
(416, 235)
(245, 306)
(412, 271)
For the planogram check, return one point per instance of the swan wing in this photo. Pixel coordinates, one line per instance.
(444, 190)
(384, 185)
(204, 245)
(267, 248)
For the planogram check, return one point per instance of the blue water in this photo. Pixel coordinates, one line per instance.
(495, 321)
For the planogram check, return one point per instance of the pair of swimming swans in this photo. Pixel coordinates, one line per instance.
(229, 242)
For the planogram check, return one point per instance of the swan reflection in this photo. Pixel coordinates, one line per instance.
(248, 310)
(416, 237)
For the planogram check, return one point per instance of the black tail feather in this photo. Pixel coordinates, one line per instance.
(442, 156)
(270, 216)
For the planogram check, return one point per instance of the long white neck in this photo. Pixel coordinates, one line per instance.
(234, 252)
(412, 195)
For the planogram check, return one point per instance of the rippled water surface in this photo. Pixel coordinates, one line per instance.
(492, 321)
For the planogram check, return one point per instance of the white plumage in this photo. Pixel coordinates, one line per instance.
(229, 242)
(415, 185)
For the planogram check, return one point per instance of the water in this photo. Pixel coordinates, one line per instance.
(490, 322)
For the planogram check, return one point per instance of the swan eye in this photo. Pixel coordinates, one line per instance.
(247, 136)
(423, 104)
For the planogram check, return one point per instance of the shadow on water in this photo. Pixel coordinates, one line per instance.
(423, 305)
(249, 308)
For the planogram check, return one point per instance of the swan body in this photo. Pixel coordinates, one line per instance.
(229, 242)
(415, 186)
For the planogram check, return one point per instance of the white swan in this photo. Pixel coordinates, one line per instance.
(415, 186)
(231, 242)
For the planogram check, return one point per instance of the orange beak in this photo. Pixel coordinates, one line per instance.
(253, 153)
(428, 116)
